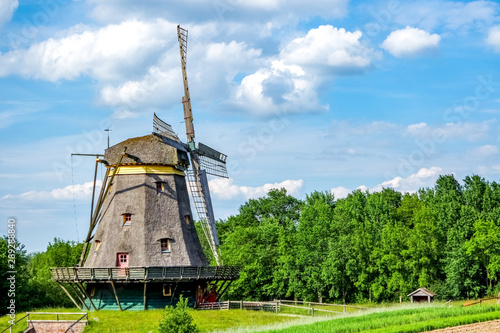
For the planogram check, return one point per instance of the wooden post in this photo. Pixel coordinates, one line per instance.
(69, 295)
(241, 304)
(116, 296)
(428, 299)
(78, 293)
(344, 308)
(85, 293)
(145, 305)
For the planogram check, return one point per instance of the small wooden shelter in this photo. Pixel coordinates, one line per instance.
(421, 295)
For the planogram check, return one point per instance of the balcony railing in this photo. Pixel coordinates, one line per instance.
(137, 274)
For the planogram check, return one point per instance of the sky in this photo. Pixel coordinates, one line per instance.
(330, 96)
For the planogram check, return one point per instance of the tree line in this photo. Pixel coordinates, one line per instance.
(365, 247)
(368, 246)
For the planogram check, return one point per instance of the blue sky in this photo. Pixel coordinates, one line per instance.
(326, 95)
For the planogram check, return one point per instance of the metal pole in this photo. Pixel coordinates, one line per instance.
(108, 130)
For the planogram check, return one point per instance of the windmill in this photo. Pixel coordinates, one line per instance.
(142, 249)
(204, 160)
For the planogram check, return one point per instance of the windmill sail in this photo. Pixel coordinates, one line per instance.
(159, 126)
(212, 161)
(204, 160)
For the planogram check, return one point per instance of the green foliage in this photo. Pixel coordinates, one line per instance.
(22, 291)
(368, 246)
(177, 319)
(34, 287)
(261, 241)
(58, 254)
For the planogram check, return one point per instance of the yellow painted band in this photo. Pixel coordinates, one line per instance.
(153, 169)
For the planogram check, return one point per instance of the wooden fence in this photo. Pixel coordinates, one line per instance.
(83, 319)
(75, 274)
(244, 305)
(277, 306)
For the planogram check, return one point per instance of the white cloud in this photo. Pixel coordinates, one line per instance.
(484, 151)
(280, 88)
(78, 190)
(216, 63)
(324, 8)
(415, 129)
(330, 49)
(108, 53)
(488, 170)
(421, 179)
(289, 83)
(7, 8)
(410, 42)
(340, 192)
(225, 189)
(229, 12)
(451, 15)
(463, 130)
(494, 38)
(18, 112)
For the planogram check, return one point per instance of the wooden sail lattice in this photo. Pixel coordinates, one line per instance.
(159, 126)
(201, 200)
(204, 160)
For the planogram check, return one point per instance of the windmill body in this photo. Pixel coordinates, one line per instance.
(147, 218)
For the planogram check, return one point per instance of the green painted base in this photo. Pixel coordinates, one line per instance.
(131, 295)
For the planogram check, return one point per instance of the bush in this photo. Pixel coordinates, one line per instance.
(178, 319)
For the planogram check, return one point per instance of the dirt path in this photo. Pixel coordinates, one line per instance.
(485, 327)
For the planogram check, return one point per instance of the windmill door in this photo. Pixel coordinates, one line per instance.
(122, 263)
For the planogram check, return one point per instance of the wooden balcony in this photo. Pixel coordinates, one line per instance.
(145, 274)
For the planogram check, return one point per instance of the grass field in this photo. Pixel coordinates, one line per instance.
(390, 318)
(397, 319)
(147, 321)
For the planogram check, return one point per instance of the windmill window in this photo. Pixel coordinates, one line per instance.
(187, 218)
(160, 186)
(165, 245)
(167, 290)
(97, 245)
(127, 219)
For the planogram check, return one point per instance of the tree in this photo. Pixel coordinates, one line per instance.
(485, 247)
(177, 319)
(255, 240)
(59, 253)
(391, 262)
(22, 290)
(424, 249)
(313, 234)
(463, 273)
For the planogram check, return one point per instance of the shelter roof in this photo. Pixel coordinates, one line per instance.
(422, 292)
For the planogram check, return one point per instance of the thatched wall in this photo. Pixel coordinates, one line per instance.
(150, 149)
(155, 214)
